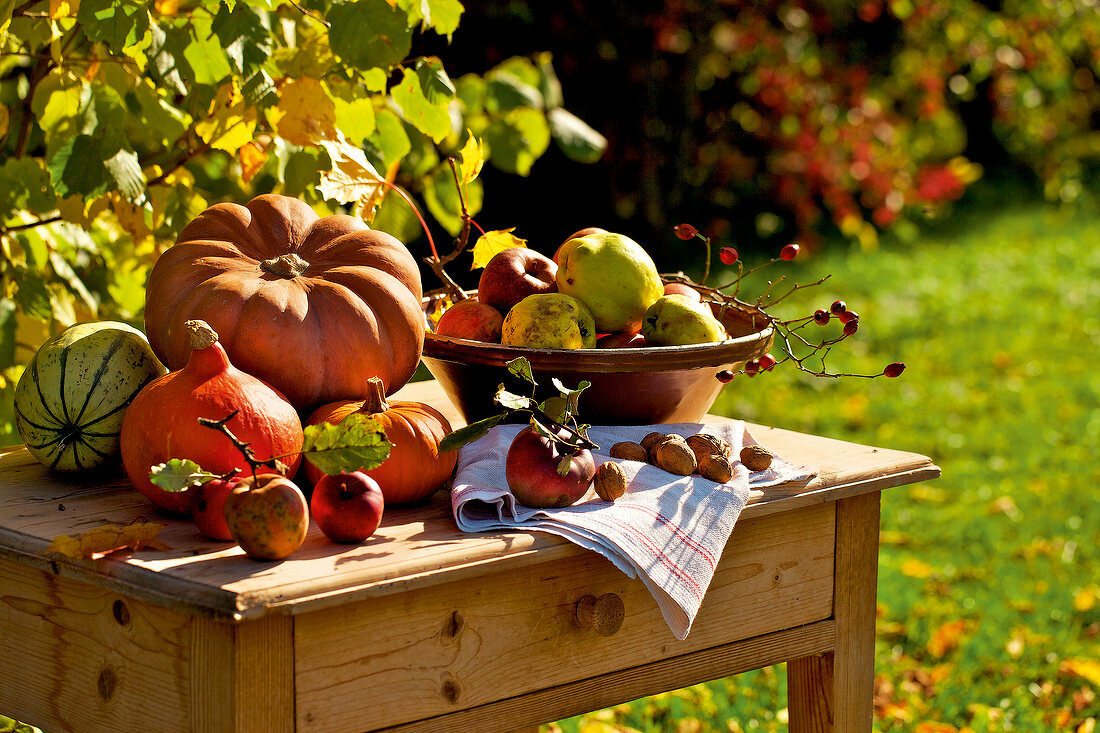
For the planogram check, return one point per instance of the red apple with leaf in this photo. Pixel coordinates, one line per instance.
(207, 501)
(514, 273)
(542, 473)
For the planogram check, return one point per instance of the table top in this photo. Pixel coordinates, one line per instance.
(414, 548)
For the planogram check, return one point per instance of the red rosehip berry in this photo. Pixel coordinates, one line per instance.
(838, 307)
(728, 255)
(725, 376)
(766, 362)
(789, 252)
(848, 316)
(685, 231)
(851, 327)
(821, 316)
(894, 370)
(752, 367)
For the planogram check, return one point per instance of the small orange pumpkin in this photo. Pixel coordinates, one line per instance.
(314, 306)
(415, 468)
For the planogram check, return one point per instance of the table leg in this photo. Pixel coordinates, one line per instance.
(834, 692)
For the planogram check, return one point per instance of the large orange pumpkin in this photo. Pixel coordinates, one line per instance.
(314, 306)
(415, 468)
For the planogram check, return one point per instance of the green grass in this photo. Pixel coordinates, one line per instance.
(989, 588)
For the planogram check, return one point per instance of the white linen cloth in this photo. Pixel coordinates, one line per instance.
(668, 530)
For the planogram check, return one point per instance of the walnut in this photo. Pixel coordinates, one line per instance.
(609, 481)
(706, 444)
(629, 451)
(715, 467)
(652, 439)
(673, 455)
(756, 457)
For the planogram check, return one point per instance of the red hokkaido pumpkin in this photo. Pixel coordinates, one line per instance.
(313, 306)
(163, 420)
(415, 468)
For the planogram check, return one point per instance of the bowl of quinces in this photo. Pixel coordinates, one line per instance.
(597, 319)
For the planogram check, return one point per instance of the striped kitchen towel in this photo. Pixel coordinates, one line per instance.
(668, 530)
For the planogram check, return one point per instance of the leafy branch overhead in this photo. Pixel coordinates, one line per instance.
(120, 121)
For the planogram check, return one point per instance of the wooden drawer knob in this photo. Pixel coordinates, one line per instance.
(605, 614)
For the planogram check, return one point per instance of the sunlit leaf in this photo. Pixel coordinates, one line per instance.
(443, 16)
(521, 367)
(575, 137)
(117, 23)
(1088, 669)
(252, 158)
(472, 158)
(390, 137)
(306, 114)
(369, 33)
(351, 177)
(517, 139)
(356, 443)
(179, 474)
(107, 539)
(431, 118)
(491, 243)
(511, 401)
(469, 433)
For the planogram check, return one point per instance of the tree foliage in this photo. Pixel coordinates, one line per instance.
(121, 120)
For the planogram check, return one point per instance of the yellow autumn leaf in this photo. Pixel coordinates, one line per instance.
(108, 538)
(1086, 598)
(352, 177)
(916, 568)
(63, 8)
(489, 243)
(473, 158)
(306, 114)
(1088, 669)
(947, 637)
(3, 120)
(252, 157)
(229, 122)
(167, 7)
(131, 217)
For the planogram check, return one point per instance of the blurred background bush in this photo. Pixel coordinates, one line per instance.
(783, 120)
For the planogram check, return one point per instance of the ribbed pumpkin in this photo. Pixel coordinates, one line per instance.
(70, 400)
(163, 420)
(415, 468)
(313, 306)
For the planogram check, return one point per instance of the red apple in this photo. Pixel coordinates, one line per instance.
(579, 233)
(347, 506)
(621, 340)
(513, 274)
(683, 289)
(267, 515)
(471, 319)
(531, 469)
(208, 507)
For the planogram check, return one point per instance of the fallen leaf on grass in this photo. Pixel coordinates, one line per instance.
(947, 637)
(107, 539)
(1086, 668)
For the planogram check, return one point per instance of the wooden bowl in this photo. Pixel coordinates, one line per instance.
(629, 386)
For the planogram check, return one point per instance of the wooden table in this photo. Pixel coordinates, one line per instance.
(425, 628)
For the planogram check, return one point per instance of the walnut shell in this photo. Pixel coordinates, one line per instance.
(609, 481)
(652, 439)
(756, 457)
(706, 444)
(673, 455)
(715, 467)
(629, 451)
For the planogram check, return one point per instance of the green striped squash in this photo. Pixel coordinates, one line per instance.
(70, 401)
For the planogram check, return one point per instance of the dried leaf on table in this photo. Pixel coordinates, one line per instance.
(109, 538)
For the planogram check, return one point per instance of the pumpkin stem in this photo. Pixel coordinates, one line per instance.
(288, 266)
(202, 335)
(375, 402)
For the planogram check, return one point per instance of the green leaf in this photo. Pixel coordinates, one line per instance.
(208, 61)
(167, 65)
(8, 310)
(517, 140)
(118, 23)
(65, 273)
(443, 15)
(470, 433)
(576, 139)
(549, 86)
(357, 443)
(437, 87)
(33, 297)
(511, 401)
(25, 186)
(243, 35)
(390, 137)
(443, 201)
(430, 118)
(505, 91)
(369, 34)
(179, 474)
(90, 165)
(521, 367)
(556, 408)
